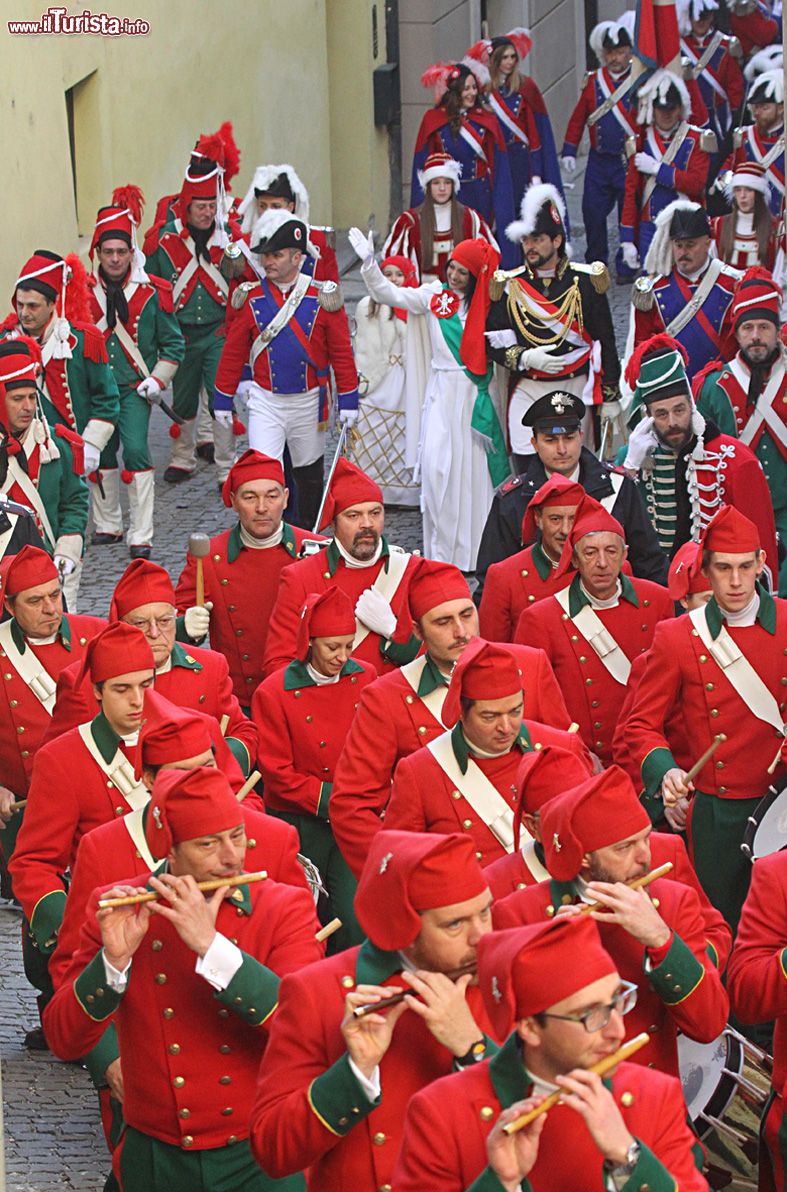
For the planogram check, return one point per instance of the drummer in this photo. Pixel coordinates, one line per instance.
(629, 1132)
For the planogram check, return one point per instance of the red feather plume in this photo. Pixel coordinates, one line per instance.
(758, 273)
(231, 152)
(656, 343)
(480, 51)
(9, 322)
(436, 77)
(131, 198)
(77, 292)
(33, 348)
(523, 42)
(212, 147)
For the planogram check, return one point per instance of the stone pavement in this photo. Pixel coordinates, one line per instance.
(52, 1135)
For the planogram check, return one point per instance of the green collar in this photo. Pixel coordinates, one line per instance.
(766, 614)
(577, 598)
(334, 557)
(179, 657)
(296, 675)
(64, 633)
(542, 562)
(431, 678)
(161, 867)
(562, 893)
(462, 750)
(105, 737)
(510, 1078)
(235, 546)
(373, 965)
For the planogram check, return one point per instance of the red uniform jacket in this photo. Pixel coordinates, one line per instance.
(107, 855)
(302, 729)
(393, 722)
(310, 1110)
(444, 1145)
(754, 30)
(175, 252)
(198, 679)
(679, 671)
(23, 718)
(242, 584)
(675, 731)
(424, 799)
(593, 696)
(521, 869)
(512, 586)
(325, 268)
(327, 569)
(188, 1053)
(683, 989)
(688, 182)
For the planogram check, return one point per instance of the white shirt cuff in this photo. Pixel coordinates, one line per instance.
(116, 979)
(220, 963)
(369, 1084)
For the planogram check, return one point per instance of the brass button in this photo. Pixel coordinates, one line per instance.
(187, 1141)
(594, 703)
(309, 719)
(169, 1013)
(408, 699)
(224, 1012)
(487, 1112)
(347, 982)
(239, 633)
(161, 978)
(574, 637)
(719, 765)
(20, 728)
(709, 687)
(217, 558)
(233, 1138)
(224, 583)
(14, 702)
(323, 744)
(245, 657)
(90, 998)
(251, 842)
(565, 899)
(296, 694)
(225, 1049)
(582, 658)
(421, 729)
(179, 1081)
(703, 657)
(524, 574)
(627, 1099)
(25, 753)
(589, 682)
(467, 824)
(343, 1121)
(184, 1113)
(174, 1049)
(157, 945)
(550, 912)
(714, 712)
(531, 598)
(226, 1112)
(456, 794)
(379, 1138)
(231, 607)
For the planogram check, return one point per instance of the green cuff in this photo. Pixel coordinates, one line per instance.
(400, 652)
(241, 755)
(649, 1172)
(338, 1099)
(253, 993)
(488, 1182)
(93, 993)
(181, 635)
(46, 919)
(105, 1051)
(678, 975)
(655, 766)
(712, 954)
(323, 799)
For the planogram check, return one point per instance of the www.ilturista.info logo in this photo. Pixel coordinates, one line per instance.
(58, 20)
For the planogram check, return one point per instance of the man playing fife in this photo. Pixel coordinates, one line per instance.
(190, 981)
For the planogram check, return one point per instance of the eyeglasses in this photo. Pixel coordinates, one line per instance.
(597, 1017)
(162, 623)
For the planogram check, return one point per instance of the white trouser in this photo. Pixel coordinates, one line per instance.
(107, 516)
(528, 391)
(223, 449)
(205, 424)
(140, 509)
(71, 587)
(291, 418)
(182, 454)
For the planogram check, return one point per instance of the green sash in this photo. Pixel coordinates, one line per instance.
(484, 422)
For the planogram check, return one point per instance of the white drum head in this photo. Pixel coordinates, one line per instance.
(702, 1068)
(771, 834)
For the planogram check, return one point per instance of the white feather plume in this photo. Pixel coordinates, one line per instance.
(533, 200)
(657, 86)
(264, 177)
(770, 58)
(659, 258)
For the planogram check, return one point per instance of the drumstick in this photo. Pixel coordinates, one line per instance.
(224, 724)
(19, 804)
(639, 883)
(601, 1068)
(707, 755)
(395, 998)
(251, 781)
(327, 930)
(242, 879)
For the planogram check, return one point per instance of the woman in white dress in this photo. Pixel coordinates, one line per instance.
(462, 454)
(380, 435)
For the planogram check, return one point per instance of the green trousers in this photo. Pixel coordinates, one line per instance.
(146, 1165)
(198, 366)
(318, 844)
(715, 832)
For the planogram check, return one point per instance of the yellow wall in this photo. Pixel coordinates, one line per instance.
(141, 101)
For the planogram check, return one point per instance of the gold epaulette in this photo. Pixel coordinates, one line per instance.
(708, 141)
(737, 137)
(734, 48)
(599, 274)
(330, 296)
(642, 296)
(241, 294)
(233, 262)
(588, 76)
(330, 234)
(687, 69)
(497, 282)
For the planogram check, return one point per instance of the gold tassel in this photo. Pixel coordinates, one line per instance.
(233, 262)
(241, 294)
(642, 294)
(497, 285)
(330, 297)
(599, 277)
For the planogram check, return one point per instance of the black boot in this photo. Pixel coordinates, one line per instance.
(310, 486)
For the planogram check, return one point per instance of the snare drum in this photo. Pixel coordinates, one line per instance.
(726, 1084)
(766, 827)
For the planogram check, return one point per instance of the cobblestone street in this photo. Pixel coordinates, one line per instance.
(52, 1133)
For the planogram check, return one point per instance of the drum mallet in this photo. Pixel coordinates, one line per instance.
(199, 549)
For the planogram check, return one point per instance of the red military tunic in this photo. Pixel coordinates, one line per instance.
(310, 1111)
(512, 586)
(24, 719)
(593, 695)
(243, 584)
(188, 1052)
(676, 732)
(757, 981)
(444, 1145)
(327, 569)
(425, 799)
(682, 991)
(398, 715)
(302, 729)
(525, 867)
(687, 180)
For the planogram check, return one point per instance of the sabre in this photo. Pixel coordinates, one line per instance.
(241, 879)
(167, 409)
(199, 549)
(604, 436)
(100, 485)
(334, 462)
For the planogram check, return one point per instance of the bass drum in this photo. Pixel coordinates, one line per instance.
(766, 827)
(725, 1086)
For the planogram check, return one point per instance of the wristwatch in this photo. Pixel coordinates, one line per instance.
(621, 1172)
(475, 1055)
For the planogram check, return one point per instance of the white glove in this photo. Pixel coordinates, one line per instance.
(643, 440)
(348, 418)
(569, 164)
(243, 390)
(540, 359)
(92, 458)
(630, 255)
(65, 566)
(196, 620)
(505, 338)
(646, 164)
(362, 244)
(149, 388)
(376, 613)
(224, 418)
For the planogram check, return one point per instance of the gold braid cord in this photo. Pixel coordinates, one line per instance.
(532, 330)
